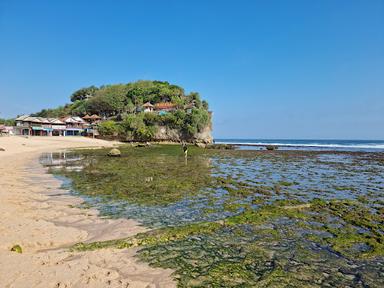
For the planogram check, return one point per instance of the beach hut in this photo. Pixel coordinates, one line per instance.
(148, 107)
(86, 118)
(95, 118)
(91, 119)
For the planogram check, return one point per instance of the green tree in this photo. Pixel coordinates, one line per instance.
(134, 125)
(196, 121)
(205, 105)
(154, 91)
(109, 100)
(58, 112)
(145, 133)
(130, 107)
(108, 128)
(7, 122)
(195, 98)
(79, 108)
(133, 121)
(84, 93)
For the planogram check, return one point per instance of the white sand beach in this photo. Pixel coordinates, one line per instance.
(39, 216)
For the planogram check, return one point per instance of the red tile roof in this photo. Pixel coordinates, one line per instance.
(164, 105)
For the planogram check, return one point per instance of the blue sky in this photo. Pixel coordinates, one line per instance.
(269, 69)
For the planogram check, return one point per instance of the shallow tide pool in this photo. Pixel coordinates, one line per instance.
(241, 218)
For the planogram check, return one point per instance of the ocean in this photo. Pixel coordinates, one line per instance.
(311, 145)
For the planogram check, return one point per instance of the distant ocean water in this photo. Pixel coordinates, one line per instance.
(314, 145)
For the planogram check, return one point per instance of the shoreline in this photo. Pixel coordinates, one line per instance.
(311, 145)
(42, 220)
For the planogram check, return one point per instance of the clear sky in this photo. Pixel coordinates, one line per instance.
(269, 69)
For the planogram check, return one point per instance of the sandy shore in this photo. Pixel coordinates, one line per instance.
(39, 216)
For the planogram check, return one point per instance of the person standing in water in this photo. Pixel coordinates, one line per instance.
(185, 149)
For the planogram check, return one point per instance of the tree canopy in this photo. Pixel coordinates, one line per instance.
(84, 93)
(7, 122)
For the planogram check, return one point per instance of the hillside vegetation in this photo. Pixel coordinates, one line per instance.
(120, 105)
(7, 122)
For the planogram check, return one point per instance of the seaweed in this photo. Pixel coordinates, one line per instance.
(238, 218)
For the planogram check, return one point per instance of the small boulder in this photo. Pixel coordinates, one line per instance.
(17, 249)
(271, 147)
(221, 146)
(200, 145)
(2, 149)
(146, 144)
(114, 153)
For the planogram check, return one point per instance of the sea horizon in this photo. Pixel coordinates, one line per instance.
(309, 144)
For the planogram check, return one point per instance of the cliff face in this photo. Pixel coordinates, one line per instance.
(165, 133)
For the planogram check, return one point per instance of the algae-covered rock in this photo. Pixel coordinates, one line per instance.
(17, 249)
(147, 144)
(114, 153)
(271, 147)
(221, 146)
(200, 145)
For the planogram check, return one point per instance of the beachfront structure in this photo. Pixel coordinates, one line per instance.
(160, 108)
(27, 125)
(6, 130)
(40, 126)
(92, 119)
(165, 106)
(58, 127)
(74, 125)
(148, 107)
(92, 123)
(188, 108)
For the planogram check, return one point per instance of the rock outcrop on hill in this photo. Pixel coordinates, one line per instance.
(165, 133)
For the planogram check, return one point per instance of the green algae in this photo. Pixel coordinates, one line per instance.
(127, 177)
(269, 233)
(17, 249)
(360, 225)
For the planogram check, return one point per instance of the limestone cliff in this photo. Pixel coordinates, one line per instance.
(165, 133)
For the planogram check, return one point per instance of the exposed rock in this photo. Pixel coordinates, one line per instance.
(200, 145)
(205, 136)
(114, 153)
(164, 133)
(271, 147)
(2, 149)
(221, 146)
